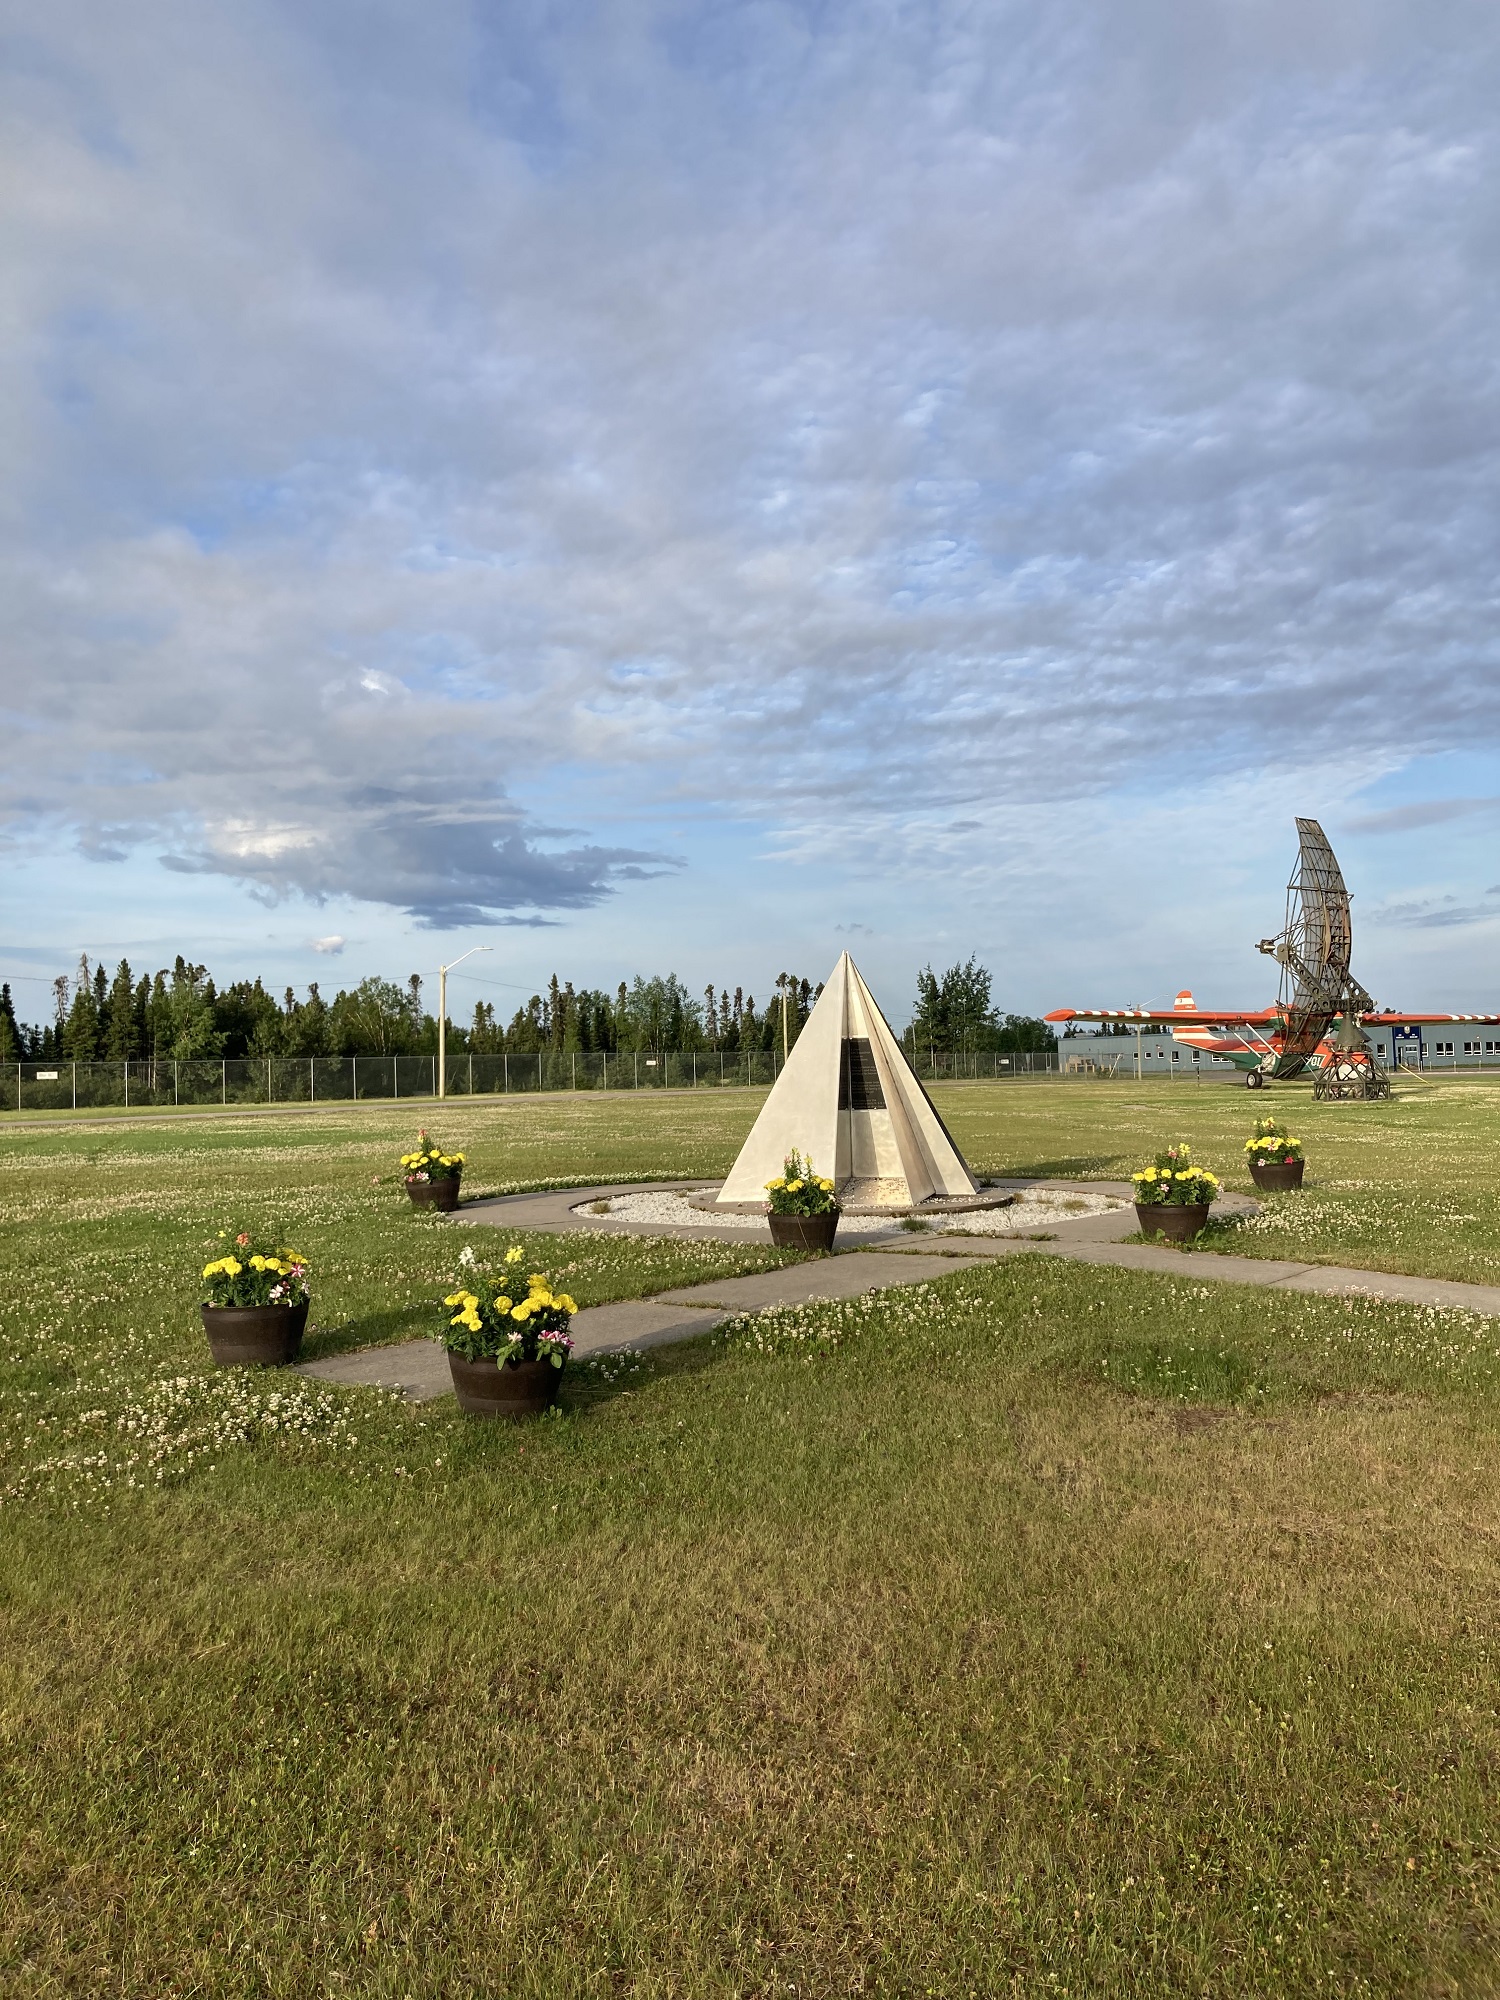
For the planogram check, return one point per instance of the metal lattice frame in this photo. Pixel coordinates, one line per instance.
(1313, 951)
(1347, 1075)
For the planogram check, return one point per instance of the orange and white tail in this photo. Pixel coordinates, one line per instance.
(1185, 1003)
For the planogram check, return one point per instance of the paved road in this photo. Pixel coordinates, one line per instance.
(419, 1368)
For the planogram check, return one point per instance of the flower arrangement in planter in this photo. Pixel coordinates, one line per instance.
(1172, 1196)
(1276, 1161)
(508, 1338)
(255, 1313)
(432, 1176)
(803, 1212)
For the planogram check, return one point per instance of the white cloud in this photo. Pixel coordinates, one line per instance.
(910, 415)
(331, 946)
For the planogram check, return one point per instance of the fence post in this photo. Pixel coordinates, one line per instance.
(268, 1079)
(312, 1081)
(355, 1061)
(224, 1080)
(471, 1072)
(575, 1069)
(605, 1054)
(174, 1078)
(395, 1077)
(127, 1083)
(505, 1059)
(538, 1069)
(637, 1083)
(695, 1069)
(75, 1088)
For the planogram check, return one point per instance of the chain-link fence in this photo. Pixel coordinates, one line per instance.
(69, 1086)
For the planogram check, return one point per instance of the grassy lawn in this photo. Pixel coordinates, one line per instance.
(1412, 1184)
(1042, 1630)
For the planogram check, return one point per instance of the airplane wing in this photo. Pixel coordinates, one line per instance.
(1426, 1020)
(1178, 1017)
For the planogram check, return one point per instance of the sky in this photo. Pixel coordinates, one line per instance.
(697, 487)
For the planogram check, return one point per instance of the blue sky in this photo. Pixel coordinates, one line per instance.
(697, 486)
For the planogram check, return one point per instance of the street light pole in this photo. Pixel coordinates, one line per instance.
(443, 971)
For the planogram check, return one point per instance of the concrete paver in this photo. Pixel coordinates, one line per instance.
(419, 1368)
(825, 1278)
(1447, 1292)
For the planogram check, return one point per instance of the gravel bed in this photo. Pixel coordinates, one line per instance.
(673, 1210)
(1034, 1210)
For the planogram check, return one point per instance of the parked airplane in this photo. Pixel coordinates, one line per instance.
(1321, 1012)
(1253, 1039)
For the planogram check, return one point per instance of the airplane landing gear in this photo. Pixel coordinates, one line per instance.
(1254, 1080)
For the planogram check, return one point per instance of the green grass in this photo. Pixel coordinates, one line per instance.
(1411, 1184)
(1041, 1630)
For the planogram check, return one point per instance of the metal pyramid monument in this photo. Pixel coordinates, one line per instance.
(849, 1100)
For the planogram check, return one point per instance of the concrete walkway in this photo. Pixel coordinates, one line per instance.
(419, 1368)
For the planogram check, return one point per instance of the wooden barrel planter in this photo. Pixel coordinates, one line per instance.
(254, 1336)
(442, 1195)
(519, 1389)
(1175, 1222)
(1276, 1176)
(804, 1232)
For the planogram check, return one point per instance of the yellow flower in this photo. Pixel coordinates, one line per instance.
(503, 1304)
(231, 1267)
(538, 1281)
(514, 1255)
(522, 1311)
(567, 1304)
(454, 1299)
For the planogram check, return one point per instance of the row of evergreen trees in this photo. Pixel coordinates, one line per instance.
(181, 1013)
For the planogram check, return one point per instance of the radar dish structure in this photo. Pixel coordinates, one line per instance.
(1313, 950)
